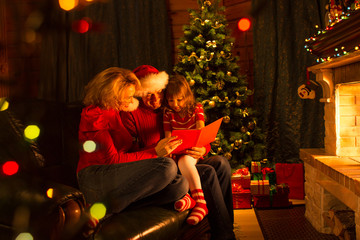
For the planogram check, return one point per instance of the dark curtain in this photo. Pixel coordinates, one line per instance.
(124, 34)
(280, 61)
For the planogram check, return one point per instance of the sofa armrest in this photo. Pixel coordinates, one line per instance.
(45, 210)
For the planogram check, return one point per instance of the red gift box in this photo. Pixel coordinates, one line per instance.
(241, 177)
(242, 199)
(261, 201)
(281, 197)
(255, 167)
(293, 175)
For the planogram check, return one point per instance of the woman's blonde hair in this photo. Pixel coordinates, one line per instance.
(179, 87)
(107, 87)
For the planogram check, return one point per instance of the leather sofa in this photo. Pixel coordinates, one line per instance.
(42, 198)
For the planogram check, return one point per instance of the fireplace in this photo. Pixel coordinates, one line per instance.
(332, 173)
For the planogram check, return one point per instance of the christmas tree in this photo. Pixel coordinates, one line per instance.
(206, 60)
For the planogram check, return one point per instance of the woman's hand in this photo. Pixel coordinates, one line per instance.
(196, 152)
(166, 145)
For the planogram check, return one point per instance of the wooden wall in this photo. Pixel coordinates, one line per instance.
(19, 49)
(25, 55)
(234, 10)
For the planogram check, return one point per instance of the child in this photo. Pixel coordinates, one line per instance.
(182, 112)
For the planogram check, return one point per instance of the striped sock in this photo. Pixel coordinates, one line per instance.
(200, 210)
(185, 203)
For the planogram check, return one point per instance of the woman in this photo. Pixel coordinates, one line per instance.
(111, 172)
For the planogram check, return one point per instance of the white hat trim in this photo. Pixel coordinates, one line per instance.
(153, 82)
(132, 106)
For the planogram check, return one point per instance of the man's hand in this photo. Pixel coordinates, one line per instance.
(166, 145)
(196, 152)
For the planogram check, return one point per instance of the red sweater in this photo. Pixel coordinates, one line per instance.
(145, 124)
(172, 120)
(113, 141)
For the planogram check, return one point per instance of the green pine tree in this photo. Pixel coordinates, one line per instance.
(206, 60)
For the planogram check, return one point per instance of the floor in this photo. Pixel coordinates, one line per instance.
(246, 226)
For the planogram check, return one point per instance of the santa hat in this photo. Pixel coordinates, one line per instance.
(151, 79)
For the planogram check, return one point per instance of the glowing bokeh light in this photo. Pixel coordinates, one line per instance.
(3, 104)
(244, 24)
(24, 236)
(50, 193)
(89, 146)
(81, 26)
(98, 210)
(68, 5)
(32, 132)
(30, 36)
(10, 168)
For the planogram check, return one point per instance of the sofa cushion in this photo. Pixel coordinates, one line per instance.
(145, 223)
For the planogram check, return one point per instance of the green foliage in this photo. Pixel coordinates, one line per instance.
(206, 60)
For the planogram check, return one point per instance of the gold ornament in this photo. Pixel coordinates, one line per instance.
(226, 119)
(251, 125)
(243, 129)
(216, 142)
(219, 150)
(185, 41)
(215, 98)
(228, 155)
(192, 82)
(212, 104)
(228, 73)
(238, 102)
(238, 143)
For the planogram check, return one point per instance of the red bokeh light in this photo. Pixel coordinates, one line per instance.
(244, 24)
(81, 26)
(10, 168)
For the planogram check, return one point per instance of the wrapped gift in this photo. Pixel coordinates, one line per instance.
(242, 199)
(255, 167)
(280, 197)
(261, 201)
(269, 174)
(241, 177)
(257, 176)
(260, 187)
(293, 175)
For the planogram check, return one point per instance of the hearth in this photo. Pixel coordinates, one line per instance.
(332, 174)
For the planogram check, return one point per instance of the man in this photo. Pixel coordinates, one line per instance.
(145, 125)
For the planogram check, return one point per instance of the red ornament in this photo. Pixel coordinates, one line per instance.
(244, 24)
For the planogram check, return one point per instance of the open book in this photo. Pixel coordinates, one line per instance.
(196, 137)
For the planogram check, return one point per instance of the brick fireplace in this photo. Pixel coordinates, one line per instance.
(332, 174)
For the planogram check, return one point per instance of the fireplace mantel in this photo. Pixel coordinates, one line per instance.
(325, 71)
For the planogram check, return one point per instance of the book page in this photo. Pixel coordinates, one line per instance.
(196, 137)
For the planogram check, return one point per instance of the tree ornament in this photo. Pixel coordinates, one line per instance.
(219, 150)
(243, 129)
(191, 82)
(212, 104)
(226, 119)
(228, 155)
(185, 41)
(228, 73)
(238, 102)
(238, 143)
(216, 143)
(215, 98)
(207, 3)
(251, 125)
